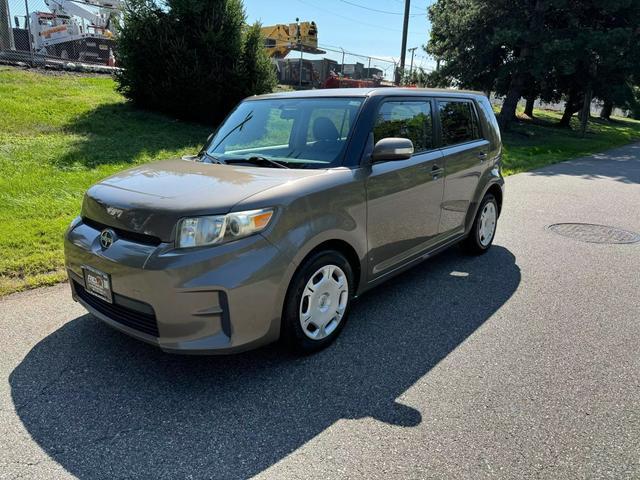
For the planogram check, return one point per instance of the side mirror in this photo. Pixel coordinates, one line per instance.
(392, 149)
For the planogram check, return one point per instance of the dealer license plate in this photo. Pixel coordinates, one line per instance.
(98, 283)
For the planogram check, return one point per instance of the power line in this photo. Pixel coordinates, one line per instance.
(379, 11)
(353, 20)
(416, 9)
(422, 61)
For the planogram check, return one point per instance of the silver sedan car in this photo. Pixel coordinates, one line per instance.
(298, 203)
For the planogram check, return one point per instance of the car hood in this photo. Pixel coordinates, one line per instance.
(150, 199)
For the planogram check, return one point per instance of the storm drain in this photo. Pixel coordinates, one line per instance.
(587, 232)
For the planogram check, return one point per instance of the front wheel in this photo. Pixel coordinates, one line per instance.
(483, 230)
(318, 302)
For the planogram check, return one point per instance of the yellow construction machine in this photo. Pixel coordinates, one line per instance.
(300, 36)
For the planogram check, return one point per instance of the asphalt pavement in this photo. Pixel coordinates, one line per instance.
(522, 363)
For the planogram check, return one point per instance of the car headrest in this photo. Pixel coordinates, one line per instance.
(325, 130)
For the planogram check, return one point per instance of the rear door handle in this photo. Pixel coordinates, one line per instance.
(482, 156)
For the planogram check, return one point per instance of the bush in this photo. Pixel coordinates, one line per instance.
(193, 59)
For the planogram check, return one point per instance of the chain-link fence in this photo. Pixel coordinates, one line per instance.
(334, 68)
(58, 32)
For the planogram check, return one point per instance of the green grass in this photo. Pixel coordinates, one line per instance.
(59, 133)
(535, 143)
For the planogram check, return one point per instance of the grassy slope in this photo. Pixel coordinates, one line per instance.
(58, 135)
(61, 133)
(533, 144)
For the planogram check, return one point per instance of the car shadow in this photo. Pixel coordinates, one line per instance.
(104, 405)
(118, 133)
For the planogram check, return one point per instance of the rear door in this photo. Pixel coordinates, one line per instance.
(403, 197)
(465, 153)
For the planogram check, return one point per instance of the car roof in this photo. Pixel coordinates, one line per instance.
(368, 92)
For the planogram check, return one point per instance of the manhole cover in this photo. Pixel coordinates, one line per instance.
(587, 232)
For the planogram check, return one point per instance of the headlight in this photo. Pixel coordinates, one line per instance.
(210, 230)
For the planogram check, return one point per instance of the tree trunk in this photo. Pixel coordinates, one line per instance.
(572, 106)
(508, 110)
(586, 111)
(607, 110)
(528, 109)
(518, 80)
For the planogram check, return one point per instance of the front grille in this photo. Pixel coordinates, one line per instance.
(124, 234)
(142, 318)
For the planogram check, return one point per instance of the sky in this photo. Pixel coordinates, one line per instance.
(366, 27)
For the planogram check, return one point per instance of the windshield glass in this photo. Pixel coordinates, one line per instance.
(295, 132)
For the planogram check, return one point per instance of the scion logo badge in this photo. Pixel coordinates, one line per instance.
(107, 237)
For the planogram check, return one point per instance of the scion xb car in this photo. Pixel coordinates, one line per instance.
(298, 203)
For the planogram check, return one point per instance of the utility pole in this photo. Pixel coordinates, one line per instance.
(403, 52)
(300, 66)
(300, 48)
(413, 51)
(369, 69)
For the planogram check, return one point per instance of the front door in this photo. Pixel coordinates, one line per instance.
(404, 197)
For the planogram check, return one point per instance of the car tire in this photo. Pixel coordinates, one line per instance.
(317, 303)
(483, 231)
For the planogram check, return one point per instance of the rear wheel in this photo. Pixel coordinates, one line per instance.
(483, 230)
(318, 302)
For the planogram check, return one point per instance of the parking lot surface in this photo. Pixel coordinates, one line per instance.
(522, 363)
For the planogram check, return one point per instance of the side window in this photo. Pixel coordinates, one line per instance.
(410, 119)
(459, 122)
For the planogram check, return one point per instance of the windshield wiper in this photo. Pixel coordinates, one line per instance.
(256, 160)
(238, 127)
(206, 158)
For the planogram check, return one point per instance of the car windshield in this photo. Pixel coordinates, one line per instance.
(291, 132)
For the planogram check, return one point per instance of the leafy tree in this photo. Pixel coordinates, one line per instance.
(194, 59)
(635, 103)
(490, 45)
(463, 40)
(418, 77)
(600, 40)
(554, 49)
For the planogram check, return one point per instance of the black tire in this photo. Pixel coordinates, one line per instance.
(292, 331)
(473, 244)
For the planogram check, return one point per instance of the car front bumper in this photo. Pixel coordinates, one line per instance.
(222, 299)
